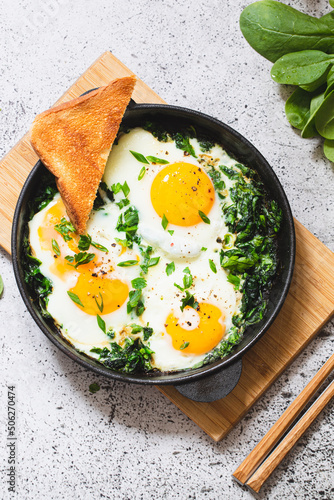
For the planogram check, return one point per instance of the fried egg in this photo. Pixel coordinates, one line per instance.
(180, 217)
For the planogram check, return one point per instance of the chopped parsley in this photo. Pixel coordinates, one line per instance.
(80, 258)
(64, 228)
(170, 268)
(212, 266)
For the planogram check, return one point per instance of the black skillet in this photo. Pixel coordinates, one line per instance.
(214, 381)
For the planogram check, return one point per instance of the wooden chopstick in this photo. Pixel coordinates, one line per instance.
(264, 471)
(264, 447)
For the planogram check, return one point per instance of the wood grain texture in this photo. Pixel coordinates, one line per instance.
(267, 443)
(309, 305)
(267, 468)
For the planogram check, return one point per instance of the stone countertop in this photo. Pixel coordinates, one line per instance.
(130, 442)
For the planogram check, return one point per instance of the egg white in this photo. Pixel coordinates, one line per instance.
(184, 247)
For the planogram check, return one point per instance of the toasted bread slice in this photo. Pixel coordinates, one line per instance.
(73, 141)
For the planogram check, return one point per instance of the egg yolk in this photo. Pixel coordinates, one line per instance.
(94, 292)
(179, 191)
(202, 333)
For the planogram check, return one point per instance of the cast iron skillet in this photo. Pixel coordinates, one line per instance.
(214, 381)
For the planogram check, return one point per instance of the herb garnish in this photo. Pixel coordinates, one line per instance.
(188, 300)
(101, 323)
(212, 266)
(164, 221)
(128, 222)
(75, 298)
(146, 159)
(99, 304)
(138, 283)
(204, 217)
(94, 387)
(55, 247)
(85, 242)
(187, 280)
(1, 286)
(154, 159)
(128, 263)
(65, 227)
(139, 157)
(184, 346)
(170, 268)
(171, 231)
(141, 173)
(80, 258)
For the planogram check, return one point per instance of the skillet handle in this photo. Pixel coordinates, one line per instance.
(213, 387)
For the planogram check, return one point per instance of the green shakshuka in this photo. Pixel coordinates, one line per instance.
(179, 254)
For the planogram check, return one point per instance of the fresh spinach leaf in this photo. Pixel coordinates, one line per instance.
(309, 129)
(297, 108)
(274, 29)
(324, 117)
(329, 149)
(330, 81)
(301, 68)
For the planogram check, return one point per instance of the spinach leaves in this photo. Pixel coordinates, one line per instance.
(274, 29)
(302, 48)
(135, 356)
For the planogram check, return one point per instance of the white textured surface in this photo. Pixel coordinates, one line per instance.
(129, 442)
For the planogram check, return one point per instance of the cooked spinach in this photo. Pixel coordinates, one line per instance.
(38, 285)
(135, 356)
(128, 222)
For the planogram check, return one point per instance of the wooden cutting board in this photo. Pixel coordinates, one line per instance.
(309, 305)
